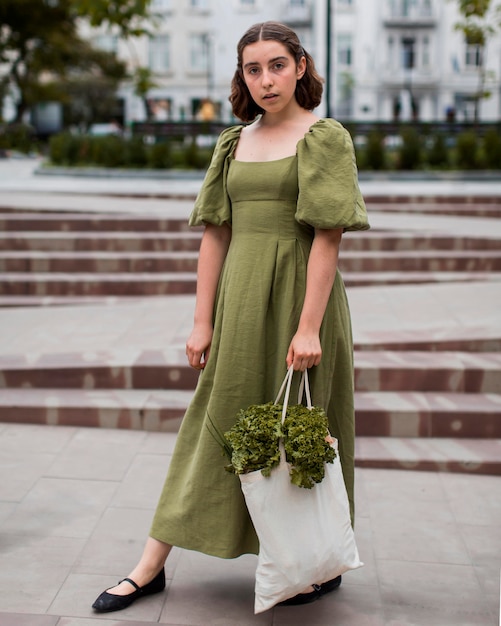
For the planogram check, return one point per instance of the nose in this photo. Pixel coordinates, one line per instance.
(267, 79)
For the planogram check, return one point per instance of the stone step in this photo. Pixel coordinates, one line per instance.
(428, 414)
(374, 371)
(48, 301)
(383, 370)
(122, 241)
(382, 414)
(106, 408)
(171, 283)
(472, 456)
(109, 241)
(99, 261)
(70, 222)
(79, 284)
(453, 209)
(186, 261)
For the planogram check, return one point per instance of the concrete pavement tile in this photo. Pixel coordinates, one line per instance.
(411, 521)
(350, 605)
(396, 484)
(106, 620)
(6, 509)
(19, 619)
(35, 438)
(60, 508)
(422, 616)
(473, 499)
(78, 592)
(158, 443)
(483, 544)
(142, 485)
(416, 531)
(361, 499)
(33, 570)
(433, 593)
(117, 543)
(207, 591)
(489, 580)
(23, 470)
(97, 454)
(366, 575)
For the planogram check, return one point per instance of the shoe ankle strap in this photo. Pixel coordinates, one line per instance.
(129, 580)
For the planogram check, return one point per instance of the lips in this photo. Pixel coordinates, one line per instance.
(270, 96)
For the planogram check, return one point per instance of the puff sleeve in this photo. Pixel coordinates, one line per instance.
(213, 204)
(329, 195)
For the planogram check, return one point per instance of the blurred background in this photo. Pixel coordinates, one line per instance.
(417, 82)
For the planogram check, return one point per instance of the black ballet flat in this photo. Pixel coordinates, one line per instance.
(330, 585)
(318, 592)
(108, 602)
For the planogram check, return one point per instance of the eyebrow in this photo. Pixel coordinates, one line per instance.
(270, 61)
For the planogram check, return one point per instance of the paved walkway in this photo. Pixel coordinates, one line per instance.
(76, 503)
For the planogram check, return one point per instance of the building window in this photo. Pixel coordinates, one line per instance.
(159, 53)
(408, 53)
(344, 50)
(247, 4)
(161, 5)
(106, 42)
(160, 108)
(391, 53)
(425, 56)
(198, 52)
(199, 5)
(473, 55)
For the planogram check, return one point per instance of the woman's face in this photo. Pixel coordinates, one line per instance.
(270, 73)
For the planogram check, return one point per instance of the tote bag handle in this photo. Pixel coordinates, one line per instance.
(304, 387)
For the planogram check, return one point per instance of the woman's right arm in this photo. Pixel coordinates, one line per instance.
(213, 249)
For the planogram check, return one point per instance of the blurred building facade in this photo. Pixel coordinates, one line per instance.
(390, 59)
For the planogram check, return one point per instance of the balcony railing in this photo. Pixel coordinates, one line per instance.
(404, 78)
(405, 14)
(297, 13)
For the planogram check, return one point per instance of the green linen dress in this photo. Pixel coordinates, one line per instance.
(273, 208)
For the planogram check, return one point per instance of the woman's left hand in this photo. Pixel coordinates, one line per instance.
(305, 351)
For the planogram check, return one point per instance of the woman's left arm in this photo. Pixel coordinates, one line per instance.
(305, 350)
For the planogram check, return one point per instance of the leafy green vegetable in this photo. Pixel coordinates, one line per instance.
(253, 442)
(254, 439)
(306, 442)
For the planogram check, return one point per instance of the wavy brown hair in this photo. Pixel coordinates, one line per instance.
(308, 89)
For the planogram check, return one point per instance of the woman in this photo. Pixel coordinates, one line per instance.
(275, 201)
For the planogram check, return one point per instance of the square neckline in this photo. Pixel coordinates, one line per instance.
(290, 156)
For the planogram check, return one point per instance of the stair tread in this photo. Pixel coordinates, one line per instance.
(401, 401)
(436, 448)
(366, 359)
(482, 456)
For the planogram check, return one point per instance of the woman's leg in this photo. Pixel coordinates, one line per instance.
(151, 562)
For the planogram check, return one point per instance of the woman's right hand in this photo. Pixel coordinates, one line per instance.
(198, 345)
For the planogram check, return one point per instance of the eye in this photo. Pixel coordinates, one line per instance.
(252, 71)
(279, 65)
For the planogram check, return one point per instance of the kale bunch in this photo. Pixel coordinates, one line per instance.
(254, 439)
(253, 442)
(307, 444)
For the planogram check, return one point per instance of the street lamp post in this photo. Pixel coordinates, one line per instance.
(328, 65)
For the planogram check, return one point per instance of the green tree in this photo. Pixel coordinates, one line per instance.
(128, 19)
(480, 18)
(42, 51)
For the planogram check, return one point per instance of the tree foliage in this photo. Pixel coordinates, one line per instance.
(127, 15)
(45, 57)
(479, 21)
